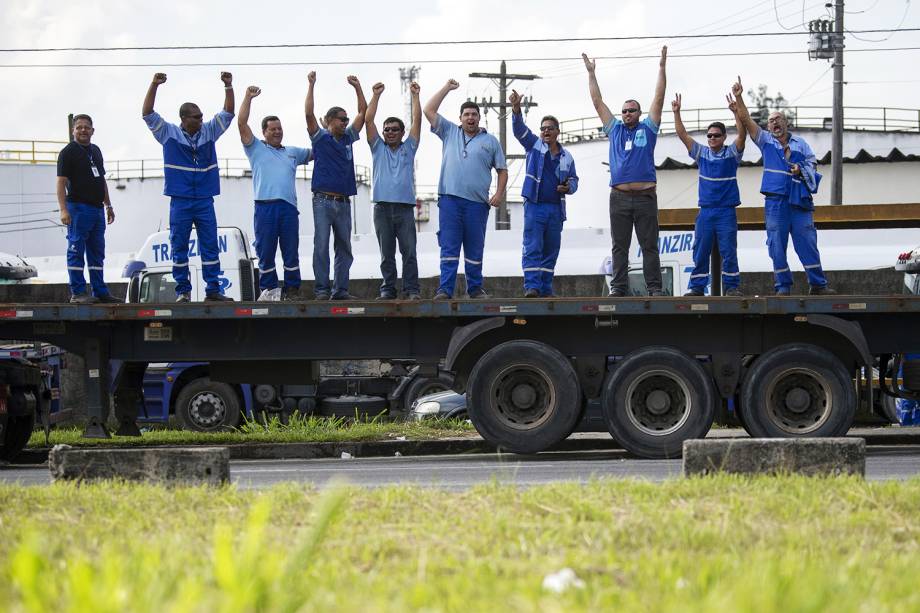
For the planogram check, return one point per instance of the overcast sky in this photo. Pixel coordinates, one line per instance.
(38, 99)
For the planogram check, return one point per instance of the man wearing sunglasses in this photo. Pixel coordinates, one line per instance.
(790, 178)
(718, 197)
(394, 193)
(333, 185)
(191, 181)
(549, 177)
(633, 199)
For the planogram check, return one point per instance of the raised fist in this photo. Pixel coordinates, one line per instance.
(452, 84)
(227, 78)
(353, 81)
(414, 88)
(378, 88)
(311, 77)
(252, 91)
(159, 78)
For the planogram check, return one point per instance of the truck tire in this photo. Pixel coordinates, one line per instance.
(208, 406)
(422, 386)
(797, 390)
(18, 432)
(655, 399)
(523, 396)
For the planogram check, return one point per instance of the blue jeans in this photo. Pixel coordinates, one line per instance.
(461, 223)
(542, 238)
(183, 214)
(276, 221)
(783, 219)
(394, 223)
(334, 215)
(715, 224)
(86, 235)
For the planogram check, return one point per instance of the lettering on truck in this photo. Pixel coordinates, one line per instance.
(161, 250)
(672, 243)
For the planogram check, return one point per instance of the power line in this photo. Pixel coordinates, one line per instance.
(780, 23)
(427, 43)
(881, 40)
(457, 61)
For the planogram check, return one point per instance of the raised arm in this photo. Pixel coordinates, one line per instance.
(312, 126)
(371, 113)
(158, 79)
(679, 124)
(229, 100)
(654, 112)
(739, 125)
(358, 122)
(743, 115)
(603, 111)
(242, 120)
(415, 128)
(432, 106)
(518, 127)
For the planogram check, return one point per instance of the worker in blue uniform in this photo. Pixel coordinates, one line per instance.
(191, 182)
(790, 180)
(718, 197)
(549, 177)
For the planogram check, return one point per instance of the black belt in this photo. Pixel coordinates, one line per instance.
(336, 197)
(644, 190)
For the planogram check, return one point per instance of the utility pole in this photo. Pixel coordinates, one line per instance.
(837, 135)
(502, 220)
(406, 77)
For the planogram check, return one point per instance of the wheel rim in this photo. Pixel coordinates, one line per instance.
(658, 402)
(207, 409)
(799, 400)
(523, 397)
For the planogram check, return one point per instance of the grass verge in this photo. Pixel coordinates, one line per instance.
(713, 544)
(309, 429)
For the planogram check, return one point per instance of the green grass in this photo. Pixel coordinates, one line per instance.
(713, 544)
(300, 429)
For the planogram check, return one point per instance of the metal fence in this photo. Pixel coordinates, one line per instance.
(30, 151)
(228, 167)
(855, 118)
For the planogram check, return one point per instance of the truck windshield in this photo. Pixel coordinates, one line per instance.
(157, 288)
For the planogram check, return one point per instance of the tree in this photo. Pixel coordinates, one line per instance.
(762, 104)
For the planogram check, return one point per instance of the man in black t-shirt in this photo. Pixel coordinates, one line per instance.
(82, 193)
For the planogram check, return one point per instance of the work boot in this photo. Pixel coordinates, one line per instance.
(479, 294)
(820, 290)
(531, 293)
(321, 296)
(441, 296)
(108, 299)
(617, 293)
(695, 292)
(735, 292)
(414, 296)
(783, 291)
(386, 297)
(83, 299)
(656, 293)
(345, 296)
(217, 297)
(184, 298)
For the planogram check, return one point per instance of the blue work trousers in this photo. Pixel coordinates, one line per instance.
(276, 221)
(715, 225)
(183, 214)
(335, 216)
(783, 219)
(542, 238)
(394, 223)
(461, 223)
(86, 236)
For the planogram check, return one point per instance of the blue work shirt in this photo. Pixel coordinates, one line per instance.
(470, 176)
(777, 179)
(550, 180)
(334, 162)
(274, 170)
(632, 151)
(718, 175)
(394, 171)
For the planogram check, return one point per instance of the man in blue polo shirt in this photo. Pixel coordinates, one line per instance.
(333, 186)
(394, 193)
(790, 178)
(275, 216)
(718, 198)
(468, 155)
(633, 199)
(191, 181)
(549, 176)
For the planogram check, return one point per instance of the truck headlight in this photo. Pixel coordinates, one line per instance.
(428, 408)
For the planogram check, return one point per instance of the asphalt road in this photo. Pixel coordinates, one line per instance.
(458, 472)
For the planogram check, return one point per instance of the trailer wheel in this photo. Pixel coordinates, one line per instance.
(208, 406)
(798, 390)
(523, 396)
(422, 386)
(18, 432)
(655, 399)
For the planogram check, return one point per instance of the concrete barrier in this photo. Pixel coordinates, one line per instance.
(806, 456)
(200, 466)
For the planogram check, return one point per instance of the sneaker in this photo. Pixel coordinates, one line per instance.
(441, 296)
(216, 297)
(321, 296)
(184, 298)
(270, 295)
(414, 296)
(479, 294)
(695, 292)
(617, 293)
(656, 293)
(83, 299)
(386, 297)
(345, 296)
(531, 293)
(735, 292)
(820, 290)
(108, 299)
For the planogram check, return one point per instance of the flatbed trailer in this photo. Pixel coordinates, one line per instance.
(795, 366)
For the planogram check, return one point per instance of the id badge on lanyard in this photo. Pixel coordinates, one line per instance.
(627, 146)
(95, 171)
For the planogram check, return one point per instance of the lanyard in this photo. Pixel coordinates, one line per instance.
(466, 142)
